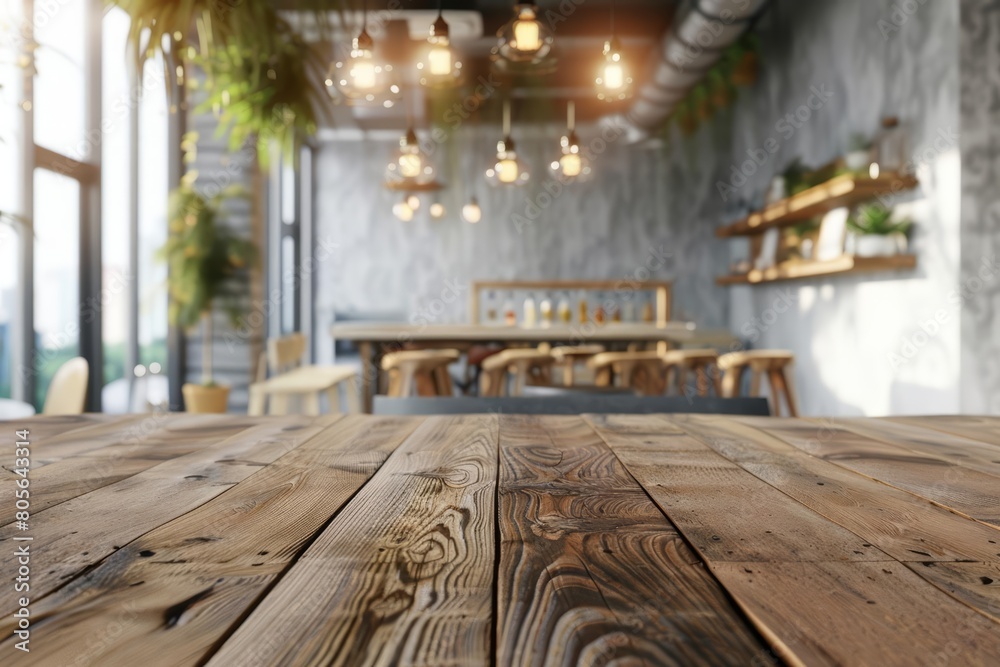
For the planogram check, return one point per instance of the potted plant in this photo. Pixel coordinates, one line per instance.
(873, 232)
(858, 155)
(206, 262)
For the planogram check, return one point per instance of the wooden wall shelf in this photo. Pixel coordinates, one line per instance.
(797, 270)
(845, 190)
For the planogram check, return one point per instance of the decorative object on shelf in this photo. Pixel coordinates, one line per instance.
(525, 39)
(614, 81)
(402, 210)
(890, 147)
(873, 232)
(768, 255)
(361, 78)
(799, 270)
(832, 231)
(508, 168)
(572, 165)
(436, 210)
(440, 67)
(777, 191)
(471, 212)
(858, 156)
(206, 263)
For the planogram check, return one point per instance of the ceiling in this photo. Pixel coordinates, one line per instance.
(579, 26)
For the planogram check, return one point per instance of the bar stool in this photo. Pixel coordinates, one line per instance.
(643, 371)
(570, 356)
(527, 366)
(775, 363)
(425, 370)
(681, 362)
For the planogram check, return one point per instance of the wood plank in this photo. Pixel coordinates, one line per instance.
(404, 575)
(977, 427)
(860, 614)
(138, 445)
(968, 492)
(71, 537)
(57, 437)
(590, 570)
(706, 496)
(190, 581)
(801, 269)
(975, 584)
(961, 451)
(902, 525)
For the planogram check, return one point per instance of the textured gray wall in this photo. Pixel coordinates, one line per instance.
(980, 276)
(860, 341)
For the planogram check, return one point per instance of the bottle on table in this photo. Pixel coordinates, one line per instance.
(491, 308)
(565, 312)
(545, 309)
(647, 310)
(584, 316)
(530, 314)
(599, 312)
(616, 312)
(509, 314)
(628, 308)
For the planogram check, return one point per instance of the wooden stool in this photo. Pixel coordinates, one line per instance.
(680, 362)
(773, 362)
(643, 371)
(568, 356)
(528, 366)
(307, 382)
(425, 369)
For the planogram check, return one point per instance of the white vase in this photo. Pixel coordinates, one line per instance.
(879, 245)
(857, 160)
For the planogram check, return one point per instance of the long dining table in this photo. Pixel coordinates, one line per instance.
(223, 540)
(372, 338)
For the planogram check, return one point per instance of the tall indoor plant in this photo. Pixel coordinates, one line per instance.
(207, 264)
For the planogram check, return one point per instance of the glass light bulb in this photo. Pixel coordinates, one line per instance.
(526, 37)
(571, 164)
(363, 74)
(614, 76)
(402, 211)
(439, 60)
(437, 210)
(507, 171)
(471, 212)
(413, 201)
(410, 165)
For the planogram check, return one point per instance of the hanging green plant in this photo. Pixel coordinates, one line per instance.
(686, 119)
(262, 79)
(722, 94)
(702, 104)
(744, 61)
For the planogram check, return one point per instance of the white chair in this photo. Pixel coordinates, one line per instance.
(68, 390)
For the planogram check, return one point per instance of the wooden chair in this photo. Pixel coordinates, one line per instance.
(290, 378)
(643, 371)
(700, 362)
(571, 356)
(775, 363)
(526, 366)
(423, 370)
(67, 392)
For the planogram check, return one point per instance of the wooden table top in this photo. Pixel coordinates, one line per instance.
(391, 332)
(509, 540)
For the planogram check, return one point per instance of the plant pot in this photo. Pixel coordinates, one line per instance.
(879, 245)
(201, 399)
(857, 160)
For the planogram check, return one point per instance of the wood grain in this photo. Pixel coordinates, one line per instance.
(860, 614)
(975, 584)
(115, 452)
(902, 525)
(706, 496)
(56, 437)
(983, 428)
(968, 492)
(70, 537)
(590, 570)
(176, 591)
(404, 575)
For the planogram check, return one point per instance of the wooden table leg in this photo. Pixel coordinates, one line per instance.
(257, 400)
(310, 404)
(368, 373)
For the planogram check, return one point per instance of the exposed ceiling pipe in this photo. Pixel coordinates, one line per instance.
(698, 38)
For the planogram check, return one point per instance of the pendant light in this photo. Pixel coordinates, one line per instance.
(413, 201)
(508, 168)
(362, 78)
(471, 212)
(524, 39)
(440, 66)
(402, 210)
(613, 81)
(436, 210)
(572, 165)
(410, 167)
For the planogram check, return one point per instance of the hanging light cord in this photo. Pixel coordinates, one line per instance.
(613, 3)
